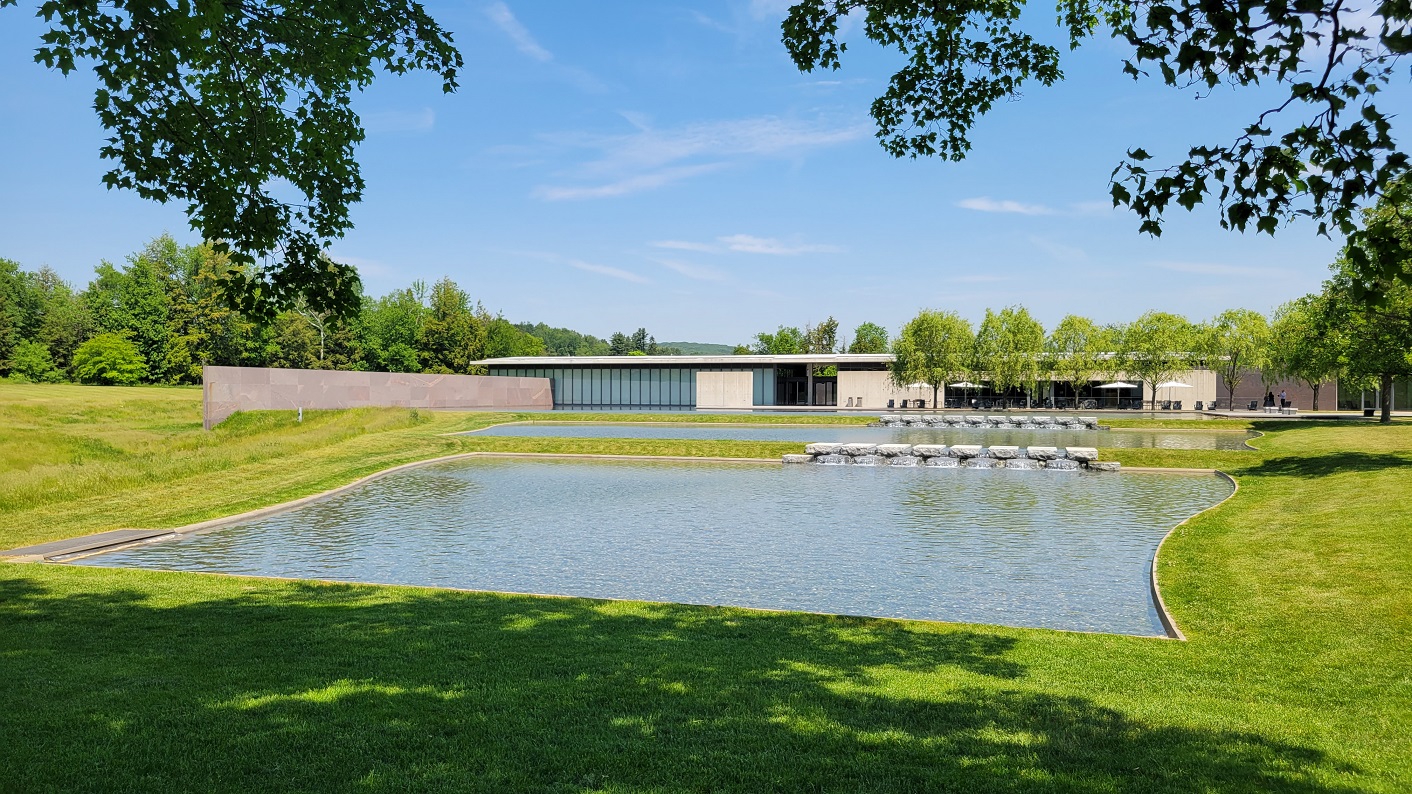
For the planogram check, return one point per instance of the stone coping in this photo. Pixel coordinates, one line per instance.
(1168, 622)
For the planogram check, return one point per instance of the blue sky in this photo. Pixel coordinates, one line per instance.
(621, 164)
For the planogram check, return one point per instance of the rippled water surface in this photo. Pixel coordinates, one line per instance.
(1161, 439)
(1065, 550)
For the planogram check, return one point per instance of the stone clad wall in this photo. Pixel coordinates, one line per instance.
(725, 390)
(230, 389)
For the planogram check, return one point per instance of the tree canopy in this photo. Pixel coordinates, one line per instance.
(1156, 347)
(242, 112)
(934, 348)
(1078, 350)
(868, 338)
(1234, 342)
(1009, 346)
(1319, 147)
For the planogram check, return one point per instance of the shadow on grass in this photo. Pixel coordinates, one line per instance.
(1323, 465)
(328, 687)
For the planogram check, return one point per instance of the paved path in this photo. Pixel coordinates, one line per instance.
(102, 540)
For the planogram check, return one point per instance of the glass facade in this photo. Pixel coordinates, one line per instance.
(633, 386)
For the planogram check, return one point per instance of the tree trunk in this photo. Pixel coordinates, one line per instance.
(1316, 396)
(935, 389)
(1386, 381)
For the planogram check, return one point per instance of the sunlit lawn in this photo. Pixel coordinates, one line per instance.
(1294, 594)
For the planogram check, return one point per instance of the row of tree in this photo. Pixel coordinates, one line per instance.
(1313, 339)
(159, 317)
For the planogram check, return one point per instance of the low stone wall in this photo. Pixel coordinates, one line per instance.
(1002, 422)
(230, 389)
(968, 456)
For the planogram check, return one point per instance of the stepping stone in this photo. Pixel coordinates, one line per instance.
(1104, 465)
(1061, 465)
(929, 450)
(965, 451)
(823, 449)
(1004, 452)
(893, 450)
(861, 449)
(1083, 454)
(981, 463)
(1041, 453)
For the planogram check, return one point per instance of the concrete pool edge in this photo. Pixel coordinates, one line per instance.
(1168, 622)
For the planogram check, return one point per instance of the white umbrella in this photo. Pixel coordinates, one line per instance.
(1117, 385)
(965, 385)
(1173, 384)
(918, 385)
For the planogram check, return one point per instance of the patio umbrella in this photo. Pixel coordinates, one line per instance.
(965, 384)
(1173, 384)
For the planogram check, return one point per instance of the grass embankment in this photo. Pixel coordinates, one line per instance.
(1295, 596)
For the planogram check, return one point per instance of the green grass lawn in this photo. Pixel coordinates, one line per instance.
(1294, 594)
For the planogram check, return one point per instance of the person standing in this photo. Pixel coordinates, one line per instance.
(1284, 403)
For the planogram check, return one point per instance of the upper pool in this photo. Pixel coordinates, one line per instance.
(1160, 439)
(1064, 550)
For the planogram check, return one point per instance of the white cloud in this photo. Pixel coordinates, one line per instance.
(692, 271)
(501, 15)
(399, 120)
(988, 204)
(684, 245)
(749, 244)
(604, 270)
(648, 158)
(622, 187)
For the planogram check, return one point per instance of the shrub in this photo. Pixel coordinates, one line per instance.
(31, 361)
(109, 359)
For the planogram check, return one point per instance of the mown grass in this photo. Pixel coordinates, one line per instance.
(1294, 594)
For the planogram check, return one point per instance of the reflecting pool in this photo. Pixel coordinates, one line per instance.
(1066, 550)
(1160, 439)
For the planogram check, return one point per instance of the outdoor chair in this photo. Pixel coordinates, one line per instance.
(1176, 405)
(1254, 404)
(891, 403)
(904, 403)
(921, 403)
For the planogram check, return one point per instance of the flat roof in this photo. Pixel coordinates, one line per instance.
(687, 361)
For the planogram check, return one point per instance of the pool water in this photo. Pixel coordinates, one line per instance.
(1064, 550)
(1160, 439)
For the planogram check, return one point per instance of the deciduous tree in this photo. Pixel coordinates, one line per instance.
(1009, 345)
(1156, 347)
(1318, 145)
(242, 112)
(869, 338)
(1078, 350)
(1233, 343)
(934, 348)
(1303, 344)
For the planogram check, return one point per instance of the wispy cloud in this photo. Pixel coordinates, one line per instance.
(750, 244)
(504, 19)
(988, 204)
(605, 270)
(1220, 269)
(1059, 251)
(622, 187)
(381, 121)
(649, 158)
(683, 245)
(692, 271)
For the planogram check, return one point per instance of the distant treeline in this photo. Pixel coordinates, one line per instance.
(159, 317)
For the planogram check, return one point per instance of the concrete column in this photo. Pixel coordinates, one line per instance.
(809, 372)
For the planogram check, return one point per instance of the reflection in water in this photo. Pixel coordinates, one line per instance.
(1159, 439)
(1030, 548)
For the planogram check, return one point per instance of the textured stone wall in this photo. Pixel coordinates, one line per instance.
(230, 389)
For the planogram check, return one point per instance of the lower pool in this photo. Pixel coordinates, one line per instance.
(1159, 439)
(1064, 550)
